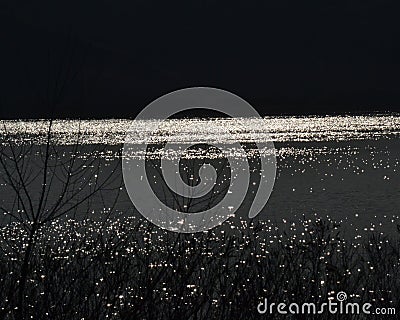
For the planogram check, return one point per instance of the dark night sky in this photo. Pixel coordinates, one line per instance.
(94, 59)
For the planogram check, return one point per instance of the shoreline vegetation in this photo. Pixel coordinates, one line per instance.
(130, 269)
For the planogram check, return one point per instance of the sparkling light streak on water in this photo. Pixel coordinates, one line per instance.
(281, 129)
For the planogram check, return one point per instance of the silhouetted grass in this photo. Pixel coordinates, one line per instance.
(128, 269)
